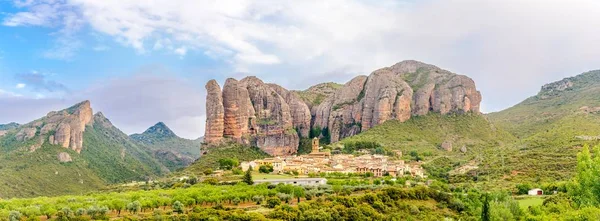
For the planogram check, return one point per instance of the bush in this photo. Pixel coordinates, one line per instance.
(14, 216)
(265, 169)
(80, 212)
(237, 171)
(273, 202)
(211, 181)
(178, 207)
(208, 172)
(258, 199)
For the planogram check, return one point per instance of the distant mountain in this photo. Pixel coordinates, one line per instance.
(70, 151)
(9, 126)
(172, 151)
(552, 126)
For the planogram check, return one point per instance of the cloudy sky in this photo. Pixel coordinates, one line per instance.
(144, 61)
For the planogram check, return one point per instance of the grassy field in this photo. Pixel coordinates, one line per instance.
(526, 202)
(262, 176)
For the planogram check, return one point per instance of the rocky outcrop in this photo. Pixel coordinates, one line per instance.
(64, 157)
(408, 88)
(256, 114)
(447, 145)
(299, 110)
(266, 115)
(214, 113)
(64, 128)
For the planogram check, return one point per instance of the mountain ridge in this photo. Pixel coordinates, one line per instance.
(274, 119)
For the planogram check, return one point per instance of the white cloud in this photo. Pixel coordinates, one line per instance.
(509, 47)
(20, 85)
(181, 51)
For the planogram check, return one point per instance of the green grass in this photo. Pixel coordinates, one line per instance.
(526, 202)
(262, 176)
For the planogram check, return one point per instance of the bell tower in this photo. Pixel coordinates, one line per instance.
(315, 145)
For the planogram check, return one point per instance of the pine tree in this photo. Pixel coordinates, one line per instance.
(248, 177)
(485, 211)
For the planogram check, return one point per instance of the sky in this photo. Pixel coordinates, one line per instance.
(144, 61)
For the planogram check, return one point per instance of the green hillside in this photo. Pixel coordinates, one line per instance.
(8, 126)
(114, 157)
(552, 126)
(27, 174)
(555, 101)
(172, 151)
(108, 156)
(211, 156)
(420, 138)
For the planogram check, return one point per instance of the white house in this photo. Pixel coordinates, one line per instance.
(535, 192)
(246, 165)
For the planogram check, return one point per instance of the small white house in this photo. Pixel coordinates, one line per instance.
(535, 192)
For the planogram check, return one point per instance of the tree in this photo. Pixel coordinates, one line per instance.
(178, 207)
(248, 177)
(265, 169)
(485, 211)
(585, 191)
(298, 192)
(258, 199)
(134, 207)
(523, 188)
(14, 216)
(208, 171)
(228, 163)
(273, 202)
(118, 205)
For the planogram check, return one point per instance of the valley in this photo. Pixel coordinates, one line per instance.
(407, 141)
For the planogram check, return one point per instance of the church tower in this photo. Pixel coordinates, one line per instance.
(315, 145)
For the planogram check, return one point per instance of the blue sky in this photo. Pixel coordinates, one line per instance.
(141, 62)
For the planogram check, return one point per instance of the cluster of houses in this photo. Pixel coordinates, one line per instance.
(323, 162)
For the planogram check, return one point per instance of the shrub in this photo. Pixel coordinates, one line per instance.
(273, 202)
(258, 199)
(178, 207)
(211, 181)
(14, 216)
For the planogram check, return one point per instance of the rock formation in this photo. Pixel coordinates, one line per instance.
(267, 115)
(64, 128)
(256, 114)
(64, 157)
(408, 88)
(214, 113)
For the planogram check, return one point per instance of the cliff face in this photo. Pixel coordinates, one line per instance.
(406, 89)
(257, 114)
(63, 128)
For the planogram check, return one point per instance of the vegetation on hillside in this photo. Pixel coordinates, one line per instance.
(108, 156)
(170, 150)
(212, 155)
(316, 94)
(28, 174)
(115, 158)
(8, 126)
(551, 126)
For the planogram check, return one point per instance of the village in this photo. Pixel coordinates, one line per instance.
(318, 162)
